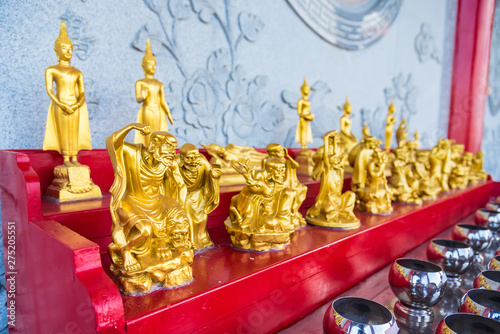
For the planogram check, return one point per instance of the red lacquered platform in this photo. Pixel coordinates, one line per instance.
(62, 266)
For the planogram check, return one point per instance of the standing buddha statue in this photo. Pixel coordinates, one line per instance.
(389, 126)
(346, 137)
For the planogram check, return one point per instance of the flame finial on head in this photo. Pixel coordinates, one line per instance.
(304, 85)
(148, 54)
(63, 36)
(347, 105)
(392, 109)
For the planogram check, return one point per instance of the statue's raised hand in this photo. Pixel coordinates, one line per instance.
(144, 129)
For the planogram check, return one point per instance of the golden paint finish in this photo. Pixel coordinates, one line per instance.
(476, 171)
(402, 133)
(365, 130)
(202, 181)
(332, 208)
(402, 176)
(225, 156)
(303, 134)
(389, 125)
(421, 177)
(67, 130)
(151, 93)
(368, 180)
(440, 164)
(347, 138)
(460, 173)
(260, 216)
(150, 231)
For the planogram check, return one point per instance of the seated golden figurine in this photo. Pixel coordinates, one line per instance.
(460, 173)
(303, 135)
(67, 130)
(346, 136)
(476, 169)
(260, 216)
(421, 177)
(332, 208)
(202, 182)
(150, 231)
(369, 181)
(291, 181)
(225, 156)
(440, 164)
(151, 93)
(401, 176)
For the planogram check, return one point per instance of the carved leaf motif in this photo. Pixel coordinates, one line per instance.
(270, 116)
(237, 84)
(290, 98)
(250, 26)
(207, 9)
(179, 9)
(139, 42)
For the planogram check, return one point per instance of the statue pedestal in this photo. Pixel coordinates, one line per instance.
(306, 163)
(255, 241)
(72, 184)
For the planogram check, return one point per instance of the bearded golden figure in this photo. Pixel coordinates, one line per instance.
(260, 216)
(332, 208)
(150, 231)
(402, 177)
(202, 181)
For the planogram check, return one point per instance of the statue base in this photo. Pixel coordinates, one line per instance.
(256, 241)
(169, 274)
(72, 184)
(306, 163)
(339, 223)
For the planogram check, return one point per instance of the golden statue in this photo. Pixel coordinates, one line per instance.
(402, 133)
(346, 136)
(150, 231)
(413, 147)
(389, 125)
(67, 130)
(332, 208)
(368, 180)
(151, 93)
(291, 181)
(202, 181)
(225, 156)
(476, 170)
(365, 130)
(460, 173)
(260, 216)
(440, 164)
(403, 188)
(304, 134)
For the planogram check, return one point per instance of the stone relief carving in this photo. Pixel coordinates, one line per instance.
(403, 90)
(425, 45)
(219, 102)
(351, 26)
(82, 48)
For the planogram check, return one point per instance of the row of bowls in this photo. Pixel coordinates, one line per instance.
(419, 285)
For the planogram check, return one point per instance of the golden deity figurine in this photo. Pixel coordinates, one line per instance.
(151, 93)
(476, 170)
(389, 125)
(441, 164)
(225, 156)
(346, 137)
(365, 130)
(150, 231)
(67, 130)
(460, 173)
(369, 181)
(332, 208)
(402, 133)
(304, 134)
(202, 182)
(291, 181)
(413, 147)
(401, 178)
(260, 216)
(426, 190)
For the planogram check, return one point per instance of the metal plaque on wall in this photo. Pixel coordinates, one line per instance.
(348, 24)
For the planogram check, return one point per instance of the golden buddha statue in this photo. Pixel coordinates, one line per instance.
(476, 170)
(365, 130)
(291, 181)
(389, 125)
(346, 137)
(426, 190)
(401, 178)
(67, 130)
(151, 93)
(440, 164)
(369, 181)
(150, 231)
(226, 156)
(202, 182)
(260, 216)
(402, 133)
(304, 134)
(332, 208)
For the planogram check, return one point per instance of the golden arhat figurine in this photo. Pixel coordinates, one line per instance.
(67, 130)
(368, 180)
(476, 170)
(441, 164)
(332, 208)
(150, 231)
(389, 125)
(421, 176)
(151, 93)
(260, 216)
(225, 156)
(291, 181)
(347, 138)
(202, 182)
(460, 173)
(401, 178)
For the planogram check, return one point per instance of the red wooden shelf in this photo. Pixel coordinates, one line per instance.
(63, 268)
